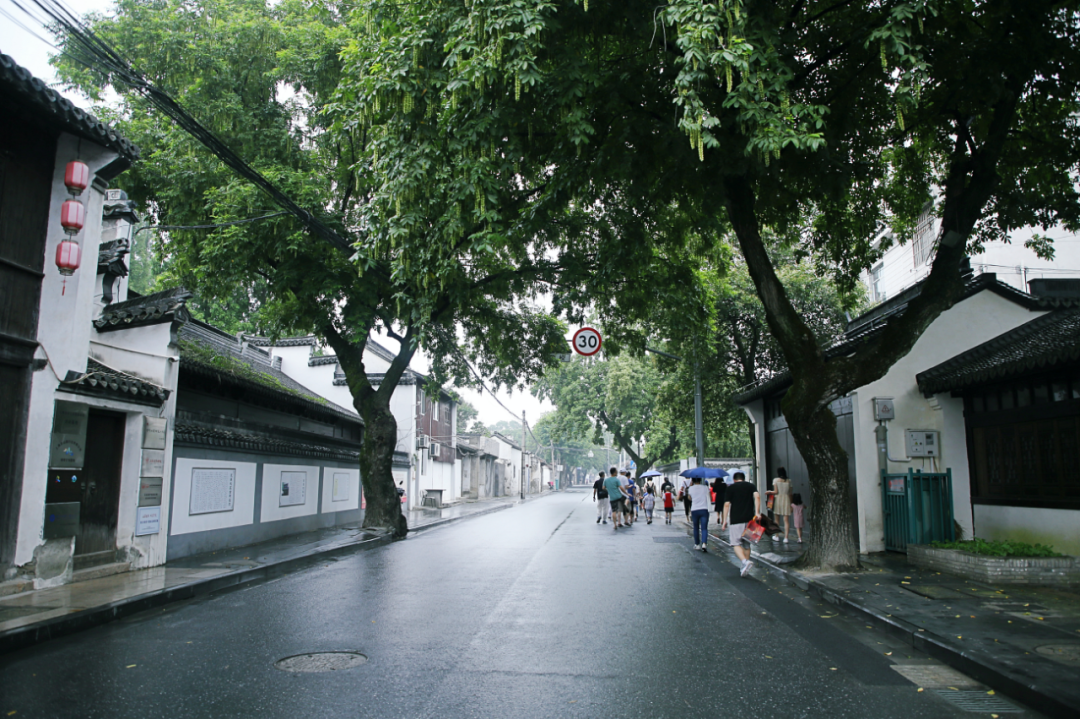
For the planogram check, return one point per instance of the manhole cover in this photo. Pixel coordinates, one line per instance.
(321, 662)
(978, 701)
(1066, 653)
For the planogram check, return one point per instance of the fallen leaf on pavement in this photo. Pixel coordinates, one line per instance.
(920, 689)
(131, 666)
(888, 654)
(991, 692)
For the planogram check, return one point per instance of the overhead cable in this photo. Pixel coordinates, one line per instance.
(90, 49)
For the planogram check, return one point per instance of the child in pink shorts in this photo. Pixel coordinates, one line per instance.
(797, 514)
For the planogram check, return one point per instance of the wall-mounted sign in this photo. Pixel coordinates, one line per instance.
(293, 489)
(147, 521)
(153, 463)
(212, 490)
(68, 445)
(150, 492)
(154, 429)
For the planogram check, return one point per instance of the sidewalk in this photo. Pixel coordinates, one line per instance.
(36, 616)
(1023, 641)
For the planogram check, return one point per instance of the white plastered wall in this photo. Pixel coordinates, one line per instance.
(271, 492)
(347, 479)
(969, 323)
(63, 332)
(1054, 527)
(242, 513)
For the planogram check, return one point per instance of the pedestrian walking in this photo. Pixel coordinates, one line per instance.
(628, 487)
(782, 499)
(615, 497)
(797, 514)
(685, 496)
(742, 502)
(669, 504)
(719, 488)
(648, 502)
(600, 496)
(699, 513)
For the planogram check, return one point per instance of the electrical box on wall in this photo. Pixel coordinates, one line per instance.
(923, 443)
(884, 408)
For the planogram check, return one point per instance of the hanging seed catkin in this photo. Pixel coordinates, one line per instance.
(727, 73)
(884, 59)
(899, 117)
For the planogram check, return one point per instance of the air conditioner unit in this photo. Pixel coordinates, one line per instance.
(434, 450)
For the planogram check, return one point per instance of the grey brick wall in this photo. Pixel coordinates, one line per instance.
(1045, 571)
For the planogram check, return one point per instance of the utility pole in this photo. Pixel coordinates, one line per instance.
(522, 454)
(699, 430)
(554, 476)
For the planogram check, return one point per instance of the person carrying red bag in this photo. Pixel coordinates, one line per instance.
(742, 503)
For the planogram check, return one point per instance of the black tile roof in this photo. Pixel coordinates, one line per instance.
(209, 351)
(39, 103)
(199, 433)
(872, 323)
(152, 309)
(102, 381)
(1049, 342)
(282, 342)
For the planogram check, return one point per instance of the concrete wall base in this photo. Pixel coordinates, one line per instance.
(1041, 571)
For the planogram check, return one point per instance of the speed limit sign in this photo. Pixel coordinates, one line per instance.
(586, 341)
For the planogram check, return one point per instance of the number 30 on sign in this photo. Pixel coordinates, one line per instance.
(587, 341)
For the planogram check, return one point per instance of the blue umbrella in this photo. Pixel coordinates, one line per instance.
(651, 473)
(703, 473)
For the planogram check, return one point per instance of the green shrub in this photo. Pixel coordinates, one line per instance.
(999, 549)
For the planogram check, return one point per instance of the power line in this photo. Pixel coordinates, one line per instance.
(208, 227)
(101, 56)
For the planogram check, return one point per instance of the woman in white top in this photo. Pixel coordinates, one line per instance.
(700, 498)
(782, 502)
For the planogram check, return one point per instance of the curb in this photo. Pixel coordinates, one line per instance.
(31, 634)
(981, 669)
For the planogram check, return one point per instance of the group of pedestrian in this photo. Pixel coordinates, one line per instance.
(620, 499)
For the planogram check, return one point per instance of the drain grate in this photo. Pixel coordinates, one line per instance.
(978, 701)
(934, 675)
(321, 662)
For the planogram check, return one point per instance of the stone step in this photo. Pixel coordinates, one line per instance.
(100, 570)
(93, 559)
(15, 586)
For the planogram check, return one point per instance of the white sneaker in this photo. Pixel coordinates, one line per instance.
(745, 568)
(697, 546)
(785, 540)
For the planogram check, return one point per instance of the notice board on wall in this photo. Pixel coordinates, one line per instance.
(293, 489)
(212, 490)
(342, 480)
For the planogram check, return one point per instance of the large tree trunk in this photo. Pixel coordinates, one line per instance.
(832, 544)
(376, 465)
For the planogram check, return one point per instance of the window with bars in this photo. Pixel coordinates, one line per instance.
(925, 238)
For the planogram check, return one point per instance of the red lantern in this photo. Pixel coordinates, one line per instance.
(68, 254)
(72, 216)
(76, 177)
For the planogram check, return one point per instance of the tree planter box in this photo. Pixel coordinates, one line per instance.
(1044, 571)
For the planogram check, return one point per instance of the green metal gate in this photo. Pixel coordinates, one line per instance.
(918, 508)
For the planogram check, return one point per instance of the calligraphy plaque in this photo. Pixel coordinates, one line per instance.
(212, 490)
(341, 487)
(293, 489)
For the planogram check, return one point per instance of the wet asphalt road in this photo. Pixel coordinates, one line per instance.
(536, 611)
